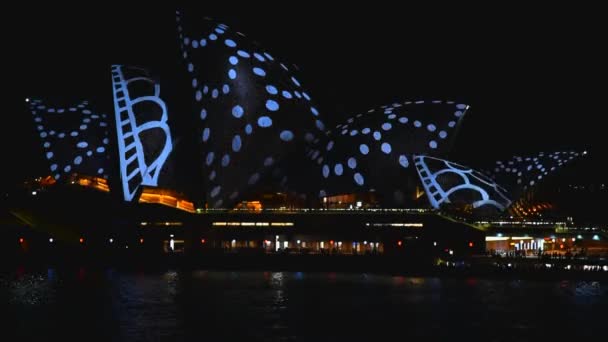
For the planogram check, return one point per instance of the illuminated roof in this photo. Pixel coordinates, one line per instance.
(144, 136)
(74, 137)
(252, 110)
(448, 182)
(257, 127)
(521, 173)
(373, 150)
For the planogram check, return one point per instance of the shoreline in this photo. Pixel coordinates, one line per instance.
(487, 268)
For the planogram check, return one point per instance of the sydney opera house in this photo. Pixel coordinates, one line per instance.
(252, 163)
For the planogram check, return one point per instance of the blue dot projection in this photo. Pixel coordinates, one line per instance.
(260, 113)
(144, 136)
(84, 153)
(388, 140)
(518, 173)
(446, 182)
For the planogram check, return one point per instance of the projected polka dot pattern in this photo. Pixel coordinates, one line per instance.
(247, 94)
(65, 136)
(387, 138)
(518, 172)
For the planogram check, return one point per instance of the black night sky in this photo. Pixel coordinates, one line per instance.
(533, 77)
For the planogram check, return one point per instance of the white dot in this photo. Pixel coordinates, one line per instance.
(225, 160)
(359, 178)
(232, 74)
(215, 191)
(209, 159)
(403, 161)
(364, 149)
(236, 143)
(237, 111)
(286, 135)
(338, 169)
(386, 148)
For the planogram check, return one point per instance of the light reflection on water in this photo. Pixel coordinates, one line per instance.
(136, 305)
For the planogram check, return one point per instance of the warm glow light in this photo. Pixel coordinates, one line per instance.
(399, 243)
(21, 240)
(141, 240)
(202, 240)
(166, 197)
(331, 242)
(470, 244)
(97, 183)
(496, 238)
(81, 240)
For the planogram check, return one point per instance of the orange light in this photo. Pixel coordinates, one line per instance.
(141, 240)
(399, 243)
(331, 242)
(202, 240)
(81, 240)
(470, 244)
(21, 240)
(561, 246)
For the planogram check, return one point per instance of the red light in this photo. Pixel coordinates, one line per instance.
(561, 246)
(81, 240)
(21, 240)
(202, 240)
(141, 240)
(399, 243)
(331, 242)
(470, 244)
(445, 250)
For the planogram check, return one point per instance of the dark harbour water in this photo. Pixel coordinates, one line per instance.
(114, 305)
